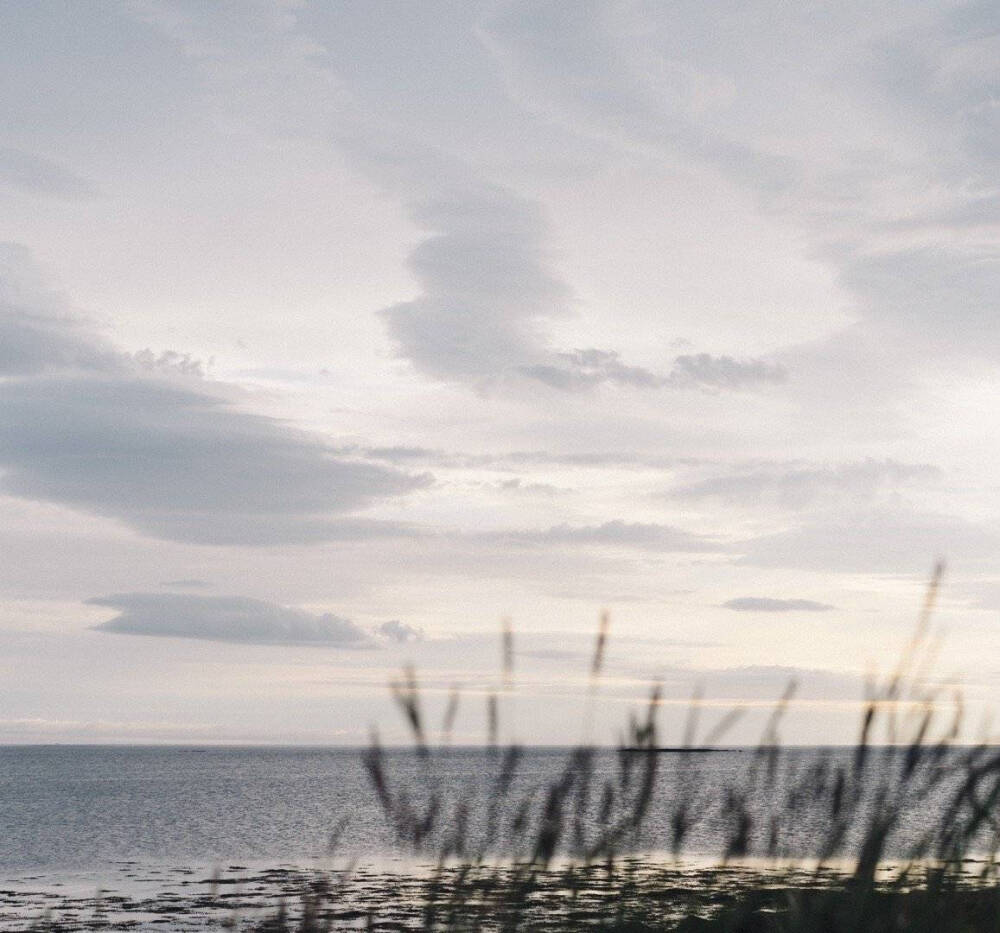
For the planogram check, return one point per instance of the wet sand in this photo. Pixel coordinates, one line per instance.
(132, 896)
(142, 897)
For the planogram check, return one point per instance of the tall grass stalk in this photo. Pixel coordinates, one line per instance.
(567, 854)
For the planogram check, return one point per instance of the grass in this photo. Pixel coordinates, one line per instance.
(563, 856)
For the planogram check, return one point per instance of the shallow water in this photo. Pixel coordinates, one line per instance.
(239, 897)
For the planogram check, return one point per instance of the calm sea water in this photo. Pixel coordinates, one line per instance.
(65, 808)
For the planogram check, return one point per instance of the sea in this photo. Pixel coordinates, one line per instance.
(141, 823)
(66, 807)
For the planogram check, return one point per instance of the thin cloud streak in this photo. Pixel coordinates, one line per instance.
(616, 533)
(37, 175)
(234, 619)
(769, 604)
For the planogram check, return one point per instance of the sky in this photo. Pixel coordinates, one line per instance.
(332, 335)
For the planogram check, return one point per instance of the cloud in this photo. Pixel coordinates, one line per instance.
(191, 584)
(892, 179)
(561, 655)
(227, 619)
(488, 289)
(36, 333)
(983, 594)
(723, 372)
(577, 65)
(177, 463)
(875, 541)
(402, 454)
(583, 369)
(485, 287)
(944, 294)
(518, 485)
(38, 175)
(617, 533)
(766, 604)
(399, 632)
(797, 486)
(31, 343)
(160, 450)
(431, 457)
(43, 730)
(769, 682)
(487, 292)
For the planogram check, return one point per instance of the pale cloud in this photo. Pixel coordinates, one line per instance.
(489, 294)
(31, 343)
(768, 682)
(799, 485)
(518, 485)
(36, 331)
(167, 454)
(616, 533)
(892, 177)
(941, 295)
(875, 540)
(38, 175)
(770, 604)
(427, 457)
(187, 584)
(576, 64)
(174, 461)
(723, 372)
(226, 618)
(399, 632)
(485, 287)
(583, 369)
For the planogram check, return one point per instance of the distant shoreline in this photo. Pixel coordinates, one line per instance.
(680, 749)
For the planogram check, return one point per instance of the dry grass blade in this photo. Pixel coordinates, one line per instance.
(507, 652)
(450, 712)
(597, 662)
(407, 696)
(593, 810)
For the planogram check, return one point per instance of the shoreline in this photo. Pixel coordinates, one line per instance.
(147, 896)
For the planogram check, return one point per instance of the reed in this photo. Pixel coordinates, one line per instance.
(567, 854)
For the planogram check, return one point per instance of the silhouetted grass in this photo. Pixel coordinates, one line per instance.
(562, 856)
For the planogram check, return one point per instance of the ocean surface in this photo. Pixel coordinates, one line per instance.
(65, 808)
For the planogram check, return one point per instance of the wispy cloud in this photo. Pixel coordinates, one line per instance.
(227, 618)
(485, 287)
(37, 175)
(799, 485)
(167, 454)
(642, 535)
(769, 604)
(875, 541)
(489, 291)
(895, 188)
(399, 632)
(188, 584)
(413, 456)
(583, 369)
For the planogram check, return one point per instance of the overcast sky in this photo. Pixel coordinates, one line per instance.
(332, 334)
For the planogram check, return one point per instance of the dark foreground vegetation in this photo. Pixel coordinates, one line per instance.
(649, 899)
(904, 832)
